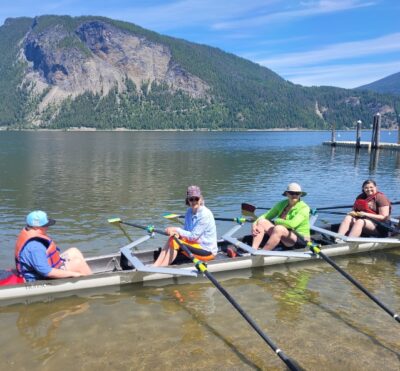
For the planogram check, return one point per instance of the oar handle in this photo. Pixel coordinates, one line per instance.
(239, 220)
(316, 250)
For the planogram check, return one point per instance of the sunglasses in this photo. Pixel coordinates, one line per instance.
(192, 199)
(293, 193)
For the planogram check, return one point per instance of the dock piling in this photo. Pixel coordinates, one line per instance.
(376, 131)
(333, 135)
(358, 134)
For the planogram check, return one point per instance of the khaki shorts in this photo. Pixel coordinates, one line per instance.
(65, 258)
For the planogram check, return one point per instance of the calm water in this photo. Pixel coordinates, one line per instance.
(84, 178)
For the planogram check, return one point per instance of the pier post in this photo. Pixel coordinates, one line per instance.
(378, 131)
(376, 127)
(398, 129)
(333, 135)
(358, 134)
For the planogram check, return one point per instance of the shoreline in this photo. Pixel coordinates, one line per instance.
(87, 129)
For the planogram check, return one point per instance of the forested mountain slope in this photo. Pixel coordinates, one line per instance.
(60, 72)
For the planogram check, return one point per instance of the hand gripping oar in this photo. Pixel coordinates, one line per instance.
(202, 267)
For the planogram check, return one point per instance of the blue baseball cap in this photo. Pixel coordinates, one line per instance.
(39, 218)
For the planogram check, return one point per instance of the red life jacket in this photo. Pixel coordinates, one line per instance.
(52, 251)
(10, 277)
(361, 204)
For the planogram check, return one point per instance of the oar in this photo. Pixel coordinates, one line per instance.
(248, 209)
(318, 208)
(238, 220)
(388, 227)
(202, 267)
(316, 250)
(115, 222)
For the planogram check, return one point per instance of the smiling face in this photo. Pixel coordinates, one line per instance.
(194, 202)
(293, 196)
(369, 188)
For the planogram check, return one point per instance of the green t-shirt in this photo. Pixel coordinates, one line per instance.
(298, 217)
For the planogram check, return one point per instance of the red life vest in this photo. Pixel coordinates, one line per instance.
(10, 277)
(361, 204)
(52, 251)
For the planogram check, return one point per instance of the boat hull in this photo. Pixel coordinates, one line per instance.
(108, 272)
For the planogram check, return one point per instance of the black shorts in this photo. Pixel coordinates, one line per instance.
(300, 244)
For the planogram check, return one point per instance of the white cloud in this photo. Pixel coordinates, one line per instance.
(188, 12)
(345, 76)
(305, 9)
(380, 45)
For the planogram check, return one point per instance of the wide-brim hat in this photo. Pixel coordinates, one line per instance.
(39, 218)
(294, 187)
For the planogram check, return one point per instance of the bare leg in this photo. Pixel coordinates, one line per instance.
(74, 261)
(280, 233)
(166, 257)
(346, 224)
(263, 226)
(362, 225)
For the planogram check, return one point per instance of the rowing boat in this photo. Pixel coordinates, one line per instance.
(131, 266)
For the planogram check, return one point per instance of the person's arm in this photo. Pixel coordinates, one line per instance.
(202, 224)
(37, 259)
(382, 216)
(383, 208)
(61, 273)
(271, 213)
(171, 231)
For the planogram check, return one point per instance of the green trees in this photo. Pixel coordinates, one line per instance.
(242, 94)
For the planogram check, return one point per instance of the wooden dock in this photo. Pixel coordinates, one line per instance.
(354, 144)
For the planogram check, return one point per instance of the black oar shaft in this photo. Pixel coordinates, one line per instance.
(330, 207)
(359, 286)
(292, 365)
(288, 361)
(316, 250)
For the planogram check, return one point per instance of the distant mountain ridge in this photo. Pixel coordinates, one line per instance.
(388, 85)
(61, 71)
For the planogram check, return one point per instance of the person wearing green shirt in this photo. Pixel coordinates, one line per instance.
(288, 215)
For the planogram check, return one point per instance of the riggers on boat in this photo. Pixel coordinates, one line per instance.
(129, 266)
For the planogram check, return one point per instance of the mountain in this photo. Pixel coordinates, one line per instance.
(388, 85)
(60, 72)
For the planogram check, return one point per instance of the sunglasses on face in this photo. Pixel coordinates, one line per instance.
(193, 199)
(293, 193)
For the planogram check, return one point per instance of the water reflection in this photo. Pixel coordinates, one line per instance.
(40, 325)
(356, 157)
(289, 289)
(373, 160)
(198, 302)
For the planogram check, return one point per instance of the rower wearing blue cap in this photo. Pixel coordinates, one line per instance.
(37, 256)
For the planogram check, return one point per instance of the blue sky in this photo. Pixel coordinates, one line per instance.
(345, 43)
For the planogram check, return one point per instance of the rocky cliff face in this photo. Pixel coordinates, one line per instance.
(97, 57)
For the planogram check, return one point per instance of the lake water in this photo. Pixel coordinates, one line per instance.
(83, 178)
